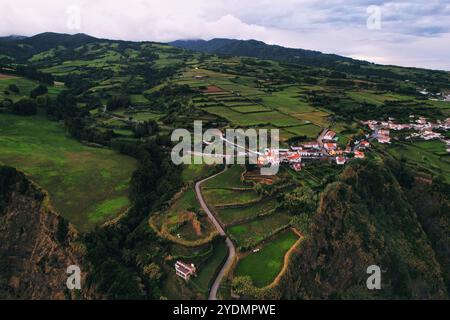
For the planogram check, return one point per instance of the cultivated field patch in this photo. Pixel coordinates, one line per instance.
(83, 182)
(263, 266)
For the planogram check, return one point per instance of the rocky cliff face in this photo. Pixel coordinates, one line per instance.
(36, 244)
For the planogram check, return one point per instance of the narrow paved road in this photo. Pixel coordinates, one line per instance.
(231, 248)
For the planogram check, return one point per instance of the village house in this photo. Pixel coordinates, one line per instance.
(330, 146)
(340, 160)
(364, 144)
(184, 270)
(297, 166)
(359, 154)
(330, 135)
(294, 158)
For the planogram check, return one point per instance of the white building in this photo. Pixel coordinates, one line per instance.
(184, 270)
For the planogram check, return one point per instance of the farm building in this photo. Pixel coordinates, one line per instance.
(184, 270)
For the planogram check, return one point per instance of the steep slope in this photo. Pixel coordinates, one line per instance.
(365, 219)
(259, 49)
(36, 244)
(23, 48)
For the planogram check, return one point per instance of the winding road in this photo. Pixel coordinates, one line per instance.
(231, 248)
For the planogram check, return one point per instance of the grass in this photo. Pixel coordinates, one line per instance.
(192, 172)
(428, 156)
(309, 130)
(233, 215)
(250, 108)
(317, 117)
(208, 269)
(287, 101)
(253, 232)
(218, 197)
(263, 266)
(86, 185)
(228, 179)
(251, 119)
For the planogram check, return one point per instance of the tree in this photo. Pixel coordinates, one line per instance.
(116, 102)
(13, 88)
(146, 128)
(38, 91)
(25, 107)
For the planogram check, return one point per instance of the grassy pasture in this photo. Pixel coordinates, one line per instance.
(287, 101)
(233, 215)
(181, 220)
(263, 266)
(228, 179)
(317, 117)
(250, 108)
(430, 156)
(218, 197)
(86, 185)
(253, 232)
(309, 130)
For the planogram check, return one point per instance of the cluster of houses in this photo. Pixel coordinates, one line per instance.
(439, 96)
(326, 147)
(424, 129)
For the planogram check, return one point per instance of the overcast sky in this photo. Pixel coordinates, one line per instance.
(407, 33)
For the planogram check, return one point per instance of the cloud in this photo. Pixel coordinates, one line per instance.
(413, 32)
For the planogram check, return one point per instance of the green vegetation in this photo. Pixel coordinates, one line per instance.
(129, 96)
(236, 214)
(81, 180)
(228, 179)
(209, 268)
(263, 266)
(251, 233)
(221, 197)
(430, 156)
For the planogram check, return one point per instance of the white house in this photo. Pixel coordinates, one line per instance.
(184, 270)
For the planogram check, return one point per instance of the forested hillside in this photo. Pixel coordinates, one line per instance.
(365, 218)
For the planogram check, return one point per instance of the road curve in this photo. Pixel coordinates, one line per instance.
(231, 248)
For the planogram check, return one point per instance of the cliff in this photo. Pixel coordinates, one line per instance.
(36, 244)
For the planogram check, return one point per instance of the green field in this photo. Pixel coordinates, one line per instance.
(86, 185)
(309, 130)
(263, 266)
(228, 179)
(253, 232)
(235, 214)
(428, 156)
(287, 101)
(218, 197)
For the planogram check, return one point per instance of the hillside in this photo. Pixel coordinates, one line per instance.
(258, 49)
(36, 244)
(363, 219)
(261, 50)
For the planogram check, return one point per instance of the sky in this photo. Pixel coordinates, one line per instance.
(412, 33)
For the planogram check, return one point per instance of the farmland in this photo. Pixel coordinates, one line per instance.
(269, 260)
(86, 185)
